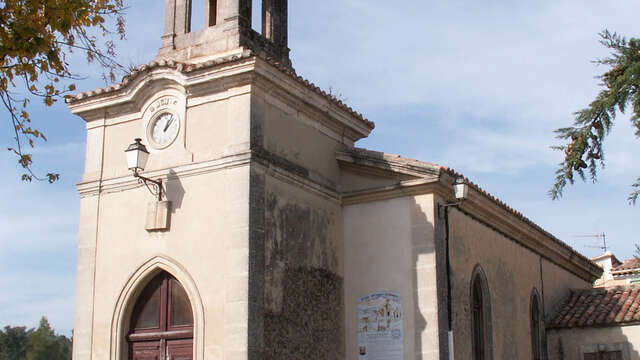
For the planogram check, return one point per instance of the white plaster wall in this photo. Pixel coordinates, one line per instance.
(565, 344)
(296, 136)
(389, 246)
(208, 237)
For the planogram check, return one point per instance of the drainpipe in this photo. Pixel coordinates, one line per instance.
(448, 267)
(461, 190)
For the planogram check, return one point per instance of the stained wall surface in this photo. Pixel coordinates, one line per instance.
(389, 246)
(295, 177)
(557, 284)
(303, 279)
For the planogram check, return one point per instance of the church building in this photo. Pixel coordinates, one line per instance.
(227, 214)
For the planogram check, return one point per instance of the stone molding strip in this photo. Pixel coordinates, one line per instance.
(186, 68)
(483, 206)
(123, 183)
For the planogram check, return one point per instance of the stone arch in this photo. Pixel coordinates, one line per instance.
(132, 289)
(479, 281)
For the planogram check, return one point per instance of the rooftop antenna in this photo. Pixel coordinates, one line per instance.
(602, 236)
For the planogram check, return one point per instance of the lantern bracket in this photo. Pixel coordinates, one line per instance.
(154, 186)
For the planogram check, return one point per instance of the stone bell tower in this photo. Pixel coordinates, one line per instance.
(227, 30)
(240, 256)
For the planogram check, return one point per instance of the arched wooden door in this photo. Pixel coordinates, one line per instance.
(162, 322)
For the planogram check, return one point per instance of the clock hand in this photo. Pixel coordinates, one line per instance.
(167, 125)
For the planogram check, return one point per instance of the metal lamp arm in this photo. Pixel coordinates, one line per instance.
(157, 184)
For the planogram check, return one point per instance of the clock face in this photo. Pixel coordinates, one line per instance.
(164, 129)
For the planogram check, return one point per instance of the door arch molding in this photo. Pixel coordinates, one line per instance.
(129, 294)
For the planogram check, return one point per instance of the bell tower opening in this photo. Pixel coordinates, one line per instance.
(212, 12)
(194, 22)
(202, 14)
(256, 16)
(162, 322)
(195, 29)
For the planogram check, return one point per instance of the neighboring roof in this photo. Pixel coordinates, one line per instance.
(186, 68)
(630, 265)
(598, 307)
(608, 254)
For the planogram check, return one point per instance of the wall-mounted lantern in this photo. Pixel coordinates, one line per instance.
(137, 157)
(461, 189)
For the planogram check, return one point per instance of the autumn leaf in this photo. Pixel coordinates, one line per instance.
(35, 38)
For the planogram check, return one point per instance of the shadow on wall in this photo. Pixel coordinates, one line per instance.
(174, 191)
(424, 288)
(424, 259)
(594, 343)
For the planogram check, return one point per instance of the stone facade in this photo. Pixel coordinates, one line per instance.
(573, 344)
(278, 223)
(227, 29)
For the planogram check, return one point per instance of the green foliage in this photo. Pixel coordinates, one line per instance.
(583, 149)
(13, 343)
(36, 36)
(17, 343)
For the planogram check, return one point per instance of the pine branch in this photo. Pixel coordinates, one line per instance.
(584, 141)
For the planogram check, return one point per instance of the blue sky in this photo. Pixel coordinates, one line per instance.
(477, 86)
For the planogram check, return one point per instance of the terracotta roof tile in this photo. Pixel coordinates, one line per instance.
(598, 307)
(187, 68)
(628, 266)
(522, 217)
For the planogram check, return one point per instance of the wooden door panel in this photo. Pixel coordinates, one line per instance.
(145, 351)
(612, 355)
(180, 349)
(607, 355)
(163, 322)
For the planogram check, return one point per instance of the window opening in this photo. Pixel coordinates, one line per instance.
(478, 321)
(480, 316)
(197, 18)
(535, 327)
(256, 15)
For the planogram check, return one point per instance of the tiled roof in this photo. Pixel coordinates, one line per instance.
(628, 266)
(188, 68)
(444, 169)
(522, 217)
(598, 307)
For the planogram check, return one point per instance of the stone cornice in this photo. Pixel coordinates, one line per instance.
(387, 162)
(195, 80)
(118, 184)
(275, 169)
(480, 206)
(302, 95)
(486, 211)
(402, 189)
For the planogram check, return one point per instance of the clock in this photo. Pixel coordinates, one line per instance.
(163, 129)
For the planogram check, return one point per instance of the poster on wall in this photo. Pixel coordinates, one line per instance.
(380, 327)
